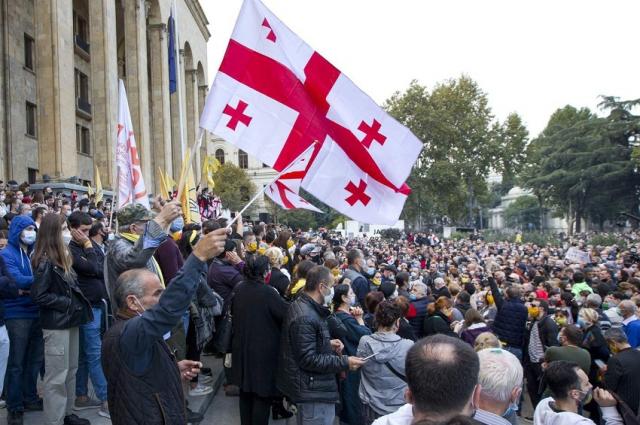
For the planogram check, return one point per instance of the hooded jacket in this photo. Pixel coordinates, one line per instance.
(546, 415)
(380, 388)
(19, 268)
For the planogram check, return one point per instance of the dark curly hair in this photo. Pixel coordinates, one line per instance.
(387, 313)
(255, 267)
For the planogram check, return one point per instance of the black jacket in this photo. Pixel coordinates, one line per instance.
(623, 377)
(88, 265)
(307, 365)
(438, 323)
(258, 311)
(62, 303)
(510, 324)
(280, 281)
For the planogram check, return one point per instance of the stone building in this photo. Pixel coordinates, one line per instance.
(60, 62)
(260, 174)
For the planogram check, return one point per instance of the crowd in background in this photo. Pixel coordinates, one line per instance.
(309, 323)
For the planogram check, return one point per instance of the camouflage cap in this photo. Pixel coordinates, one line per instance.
(132, 213)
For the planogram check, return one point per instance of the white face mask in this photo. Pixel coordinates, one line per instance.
(28, 237)
(66, 237)
(329, 297)
(111, 237)
(352, 300)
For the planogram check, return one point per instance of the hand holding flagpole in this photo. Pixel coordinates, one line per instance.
(252, 200)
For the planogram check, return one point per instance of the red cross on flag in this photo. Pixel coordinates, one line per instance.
(274, 96)
(284, 191)
(131, 187)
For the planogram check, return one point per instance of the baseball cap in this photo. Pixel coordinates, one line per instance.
(132, 213)
(309, 249)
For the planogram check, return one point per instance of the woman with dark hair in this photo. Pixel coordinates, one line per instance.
(402, 281)
(438, 320)
(300, 277)
(347, 325)
(371, 301)
(383, 381)
(63, 308)
(472, 326)
(258, 312)
(405, 330)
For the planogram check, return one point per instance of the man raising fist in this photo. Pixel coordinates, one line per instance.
(142, 375)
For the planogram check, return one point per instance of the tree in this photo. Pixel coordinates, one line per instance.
(523, 213)
(453, 123)
(581, 164)
(233, 187)
(510, 141)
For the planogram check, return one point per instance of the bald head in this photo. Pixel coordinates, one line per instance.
(137, 290)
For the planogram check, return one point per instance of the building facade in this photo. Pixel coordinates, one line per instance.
(260, 174)
(60, 62)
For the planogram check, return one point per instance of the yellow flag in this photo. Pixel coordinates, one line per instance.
(163, 184)
(211, 166)
(89, 190)
(99, 192)
(189, 199)
(171, 183)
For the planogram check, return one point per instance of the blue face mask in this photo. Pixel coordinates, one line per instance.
(413, 297)
(177, 225)
(371, 271)
(511, 411)
(581, 323)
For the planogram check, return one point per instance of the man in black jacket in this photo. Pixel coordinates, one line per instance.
(511, 319)
(543, 334)
(623, 368)
(88, 268)
(309, 359)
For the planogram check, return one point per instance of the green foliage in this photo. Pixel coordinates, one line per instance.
(510, 140)
(233, 187)
(607, 239)
(523, 213)
(393, 234)
(581, 165)
(453, 122)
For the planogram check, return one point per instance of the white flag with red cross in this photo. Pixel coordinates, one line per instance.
(274, 96)
(284, 191)
(131, 187)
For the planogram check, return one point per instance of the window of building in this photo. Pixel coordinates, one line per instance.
(243, 159)
(31, 175)
(31, 119)
(29, 47)
(220, 156)
(82, 91)
(83, 139)
(81, 32)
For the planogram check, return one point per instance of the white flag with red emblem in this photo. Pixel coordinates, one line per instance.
(274, 96)
(284, 191)
(131, 187)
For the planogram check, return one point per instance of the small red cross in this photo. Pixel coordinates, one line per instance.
(371, 133)
(271, 36)
(357, 193)
(237, 115)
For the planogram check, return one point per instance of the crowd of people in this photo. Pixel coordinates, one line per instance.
(413, 330)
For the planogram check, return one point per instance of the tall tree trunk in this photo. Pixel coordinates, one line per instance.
(578, 221)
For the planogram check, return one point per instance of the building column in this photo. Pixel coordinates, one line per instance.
(104, 86)
(160, 100)
(56, 88)
(137, 84)
(191, 115)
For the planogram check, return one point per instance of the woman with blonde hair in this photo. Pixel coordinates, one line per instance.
(63, 308)
(486, 340)
(277, 279)
(593, 340)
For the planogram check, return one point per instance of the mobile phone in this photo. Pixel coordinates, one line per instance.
(372, 355)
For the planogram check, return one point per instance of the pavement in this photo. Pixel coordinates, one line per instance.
(200, 404)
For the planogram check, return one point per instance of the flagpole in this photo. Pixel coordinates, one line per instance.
(113, 199)
(194, 149)
(264, 187)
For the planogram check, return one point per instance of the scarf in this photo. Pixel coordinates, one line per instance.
(132, 237)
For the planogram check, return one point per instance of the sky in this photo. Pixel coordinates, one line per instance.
(530, 57)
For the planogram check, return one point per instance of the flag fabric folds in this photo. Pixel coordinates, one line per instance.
(274, 96)
(131, 187)
(189, 197)
(209, 168)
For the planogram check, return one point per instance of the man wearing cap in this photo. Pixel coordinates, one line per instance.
(310, 252)
(140, 234)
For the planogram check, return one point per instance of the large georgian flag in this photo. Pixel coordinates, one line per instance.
(274, 96)
(131, 187)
